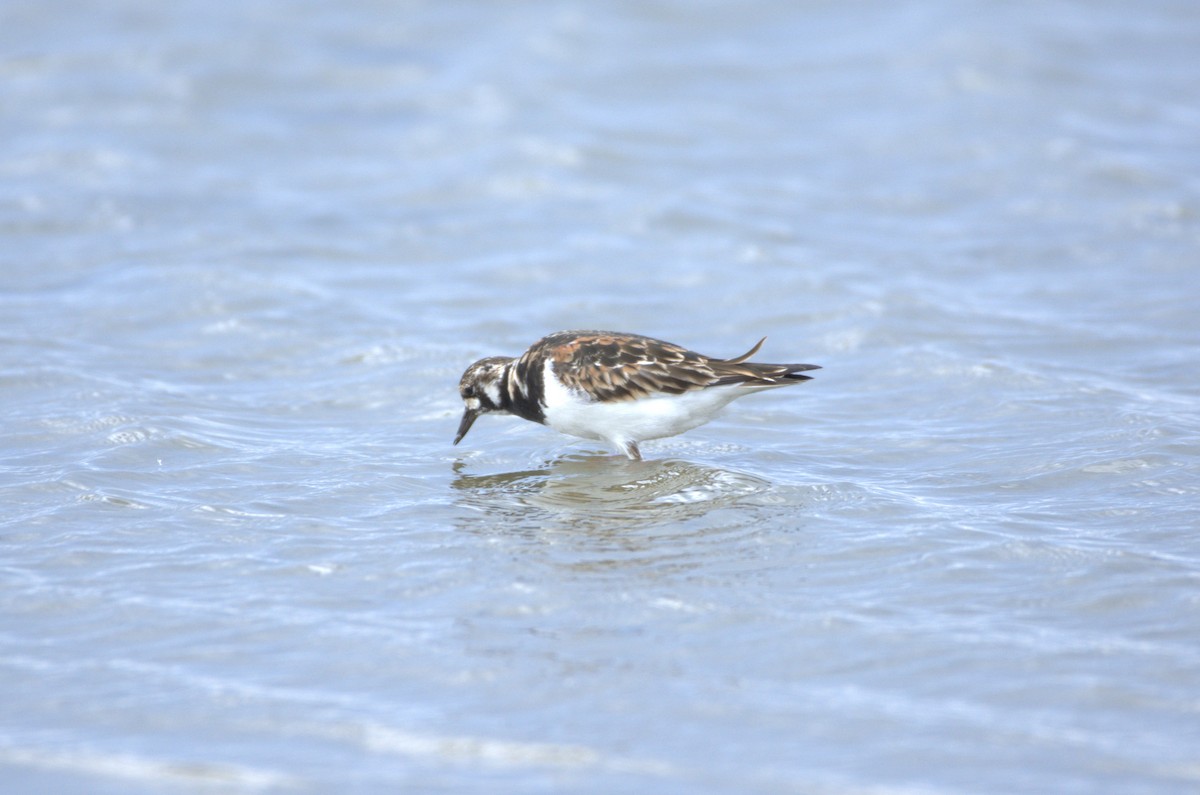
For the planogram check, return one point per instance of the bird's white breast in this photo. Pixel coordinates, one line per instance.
(651, 417)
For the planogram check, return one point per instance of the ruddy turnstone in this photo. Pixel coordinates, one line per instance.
(618, 388)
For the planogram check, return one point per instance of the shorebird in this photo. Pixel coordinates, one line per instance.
(619, 388)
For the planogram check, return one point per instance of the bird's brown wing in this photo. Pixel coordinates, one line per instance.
(616, 366)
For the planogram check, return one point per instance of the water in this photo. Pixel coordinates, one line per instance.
(249, 250)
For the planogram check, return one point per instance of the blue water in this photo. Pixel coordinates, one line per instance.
(248, 251)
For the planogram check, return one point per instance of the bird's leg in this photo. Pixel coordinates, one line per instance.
(631, 449)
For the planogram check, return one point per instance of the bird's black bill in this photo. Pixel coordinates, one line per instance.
(468, 419)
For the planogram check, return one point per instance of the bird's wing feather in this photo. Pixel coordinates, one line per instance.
(615, 366)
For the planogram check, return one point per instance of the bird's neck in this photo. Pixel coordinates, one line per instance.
(522, 390)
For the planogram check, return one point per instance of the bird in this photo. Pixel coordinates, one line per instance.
(615, 387)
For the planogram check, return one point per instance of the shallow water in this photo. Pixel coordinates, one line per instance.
(248, 252)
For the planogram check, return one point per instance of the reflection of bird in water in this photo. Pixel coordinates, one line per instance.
(619, 388)
(590, 493)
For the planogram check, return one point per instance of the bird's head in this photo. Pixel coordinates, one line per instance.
(480, 390)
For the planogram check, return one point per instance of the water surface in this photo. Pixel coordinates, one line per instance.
(249, 250)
